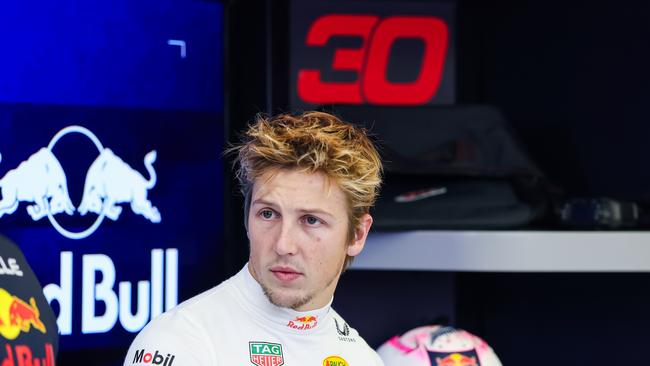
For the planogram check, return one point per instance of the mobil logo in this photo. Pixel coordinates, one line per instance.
(41, 182)
(156, 358)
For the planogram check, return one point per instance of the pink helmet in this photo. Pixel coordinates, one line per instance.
(435, 345)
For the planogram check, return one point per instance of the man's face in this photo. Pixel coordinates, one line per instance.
(297, 227)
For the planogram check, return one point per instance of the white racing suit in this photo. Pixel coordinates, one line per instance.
(234, 324)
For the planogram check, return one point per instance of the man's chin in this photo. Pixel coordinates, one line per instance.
(293, 303)
(286, 298)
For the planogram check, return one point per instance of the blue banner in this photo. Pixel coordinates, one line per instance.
(111, 134)
(159, 54)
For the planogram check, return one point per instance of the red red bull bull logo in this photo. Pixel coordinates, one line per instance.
(303, 322)
(23, 355)
(457, 359)
(41, 181)
(18, 316)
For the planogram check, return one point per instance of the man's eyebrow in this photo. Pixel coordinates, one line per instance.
(316, 211)
(263, 202)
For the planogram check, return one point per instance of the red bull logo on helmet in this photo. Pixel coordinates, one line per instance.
(456, 359)
(41, 181)
(18, 316)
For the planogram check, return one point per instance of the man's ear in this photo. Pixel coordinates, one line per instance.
(360, 235)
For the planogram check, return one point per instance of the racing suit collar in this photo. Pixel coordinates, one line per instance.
(297, 321)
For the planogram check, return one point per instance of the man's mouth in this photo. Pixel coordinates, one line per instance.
(285, 274)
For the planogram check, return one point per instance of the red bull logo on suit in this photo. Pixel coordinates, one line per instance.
(41, 181)
(303, 322)
(18, 316)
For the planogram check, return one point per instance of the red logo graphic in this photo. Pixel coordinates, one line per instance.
(21, 355)
(456, 359)
(18, 316)
(370, 61)
(303, 322)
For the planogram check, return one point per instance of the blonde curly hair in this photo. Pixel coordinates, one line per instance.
(311, 142)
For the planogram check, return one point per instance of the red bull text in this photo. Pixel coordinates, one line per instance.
(161, 289)
(22, 355)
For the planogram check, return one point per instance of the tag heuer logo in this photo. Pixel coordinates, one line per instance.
(266, 354)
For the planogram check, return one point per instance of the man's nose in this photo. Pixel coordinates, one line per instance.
(286, 244)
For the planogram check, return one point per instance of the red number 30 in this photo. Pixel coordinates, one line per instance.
(371, 60)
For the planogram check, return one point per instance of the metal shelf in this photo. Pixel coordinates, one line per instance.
(507, 251)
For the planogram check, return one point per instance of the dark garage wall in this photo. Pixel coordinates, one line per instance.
(573, 78)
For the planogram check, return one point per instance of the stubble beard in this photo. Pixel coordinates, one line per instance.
(293, 303)
(296, 301)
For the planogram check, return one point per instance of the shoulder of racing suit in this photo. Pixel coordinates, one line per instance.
(346, 332)
(176, 337)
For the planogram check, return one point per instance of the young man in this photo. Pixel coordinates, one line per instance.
(308, 183)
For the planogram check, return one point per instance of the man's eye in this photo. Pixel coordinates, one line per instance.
(311, 220)
(267, 214)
